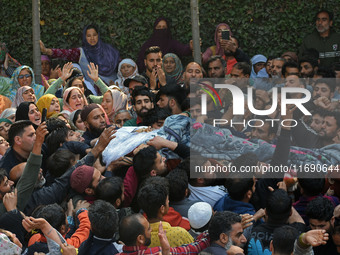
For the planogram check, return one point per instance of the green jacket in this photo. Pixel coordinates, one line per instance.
(328, 47)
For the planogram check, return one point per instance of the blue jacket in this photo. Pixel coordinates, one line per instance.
(228, 204)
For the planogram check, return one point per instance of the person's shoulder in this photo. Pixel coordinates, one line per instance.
(311, 35)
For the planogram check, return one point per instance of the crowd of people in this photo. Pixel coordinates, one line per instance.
(64, 191)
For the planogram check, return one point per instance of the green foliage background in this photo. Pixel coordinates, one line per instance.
(267, 27)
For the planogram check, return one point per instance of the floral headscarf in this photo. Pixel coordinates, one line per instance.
(7, 247)
(45, 102)
(19, 98)
(177, 73)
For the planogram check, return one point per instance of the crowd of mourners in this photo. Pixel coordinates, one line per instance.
(97, 158)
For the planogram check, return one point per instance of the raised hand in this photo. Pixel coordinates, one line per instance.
(41, 132)
(93, 72)
(67, 71)
(45, 50)
(153, 79)
(161, 76)
(315, 237)
(55, 73)
(10, 200)
(44, 82)
(163, 240)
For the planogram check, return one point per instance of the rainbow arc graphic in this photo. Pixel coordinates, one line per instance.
(210, 94)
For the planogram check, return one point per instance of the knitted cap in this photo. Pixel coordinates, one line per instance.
(81, 178)
(87, 110)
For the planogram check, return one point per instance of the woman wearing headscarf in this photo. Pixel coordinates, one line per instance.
(162, 38)
(216, 49)
(127, 68)
(24, 76)
(93, 50)
(74, 78)
(24, 94)
(113, 101)
(172, 67)
(73, 99)
(8, 246)
(258, 67)
(51, 103)
(228, 49)
(28, 111)
(45, 66)
(9, 113)
(76, 121)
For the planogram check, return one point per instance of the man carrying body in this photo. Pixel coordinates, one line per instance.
(142, 103)
(94, 120)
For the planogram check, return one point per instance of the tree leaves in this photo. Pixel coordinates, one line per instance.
(261, 27)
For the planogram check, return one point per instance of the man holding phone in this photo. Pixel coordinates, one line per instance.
(154, 73)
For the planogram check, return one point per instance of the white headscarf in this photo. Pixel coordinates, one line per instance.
(121, 79)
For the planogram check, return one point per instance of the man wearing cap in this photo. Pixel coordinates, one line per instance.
(137, 80)
(142, 103)
(94, 120)
(199, 215)
(5, 124)
(85, 179)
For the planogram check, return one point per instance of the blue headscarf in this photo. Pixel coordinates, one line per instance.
(38, 89)
(102, 54)
(262, 73)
